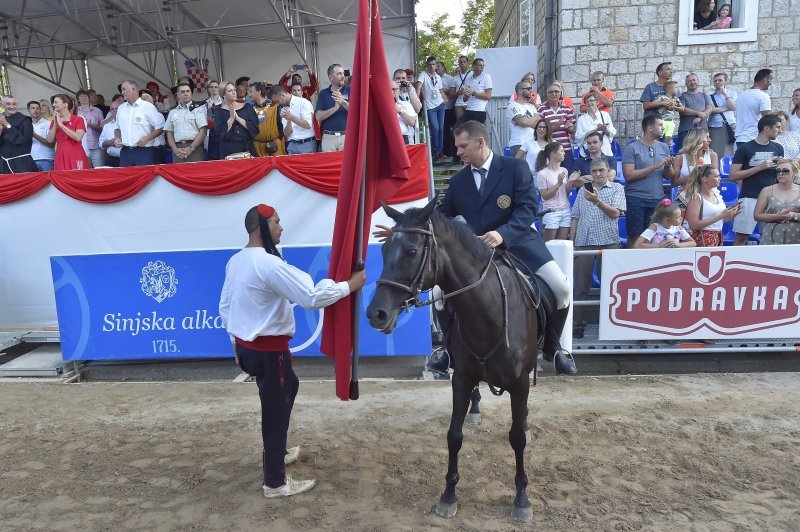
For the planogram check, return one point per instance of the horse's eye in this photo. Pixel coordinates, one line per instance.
(411, 252)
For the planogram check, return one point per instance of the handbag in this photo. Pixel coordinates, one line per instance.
(728, 127)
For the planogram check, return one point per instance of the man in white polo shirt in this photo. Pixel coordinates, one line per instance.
(42, 152)
(297, 119)
(106, 139)
(522, 117)
(477, 94)
(139, 124)
(435, 99)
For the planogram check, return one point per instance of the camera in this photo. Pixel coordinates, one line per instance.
(404, 84)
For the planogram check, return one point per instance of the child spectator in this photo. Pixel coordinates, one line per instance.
(724, 19)
(666, 230)
(669, 115)
(554, 187)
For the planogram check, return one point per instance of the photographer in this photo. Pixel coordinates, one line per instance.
(294, 73)
(405, 114)
(407, 91)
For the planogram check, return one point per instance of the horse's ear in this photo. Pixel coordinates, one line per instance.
(428, 209)
(391, 212)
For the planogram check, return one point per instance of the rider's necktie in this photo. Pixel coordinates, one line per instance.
(482, 172)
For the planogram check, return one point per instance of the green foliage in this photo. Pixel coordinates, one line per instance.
(437, 38)
(477, 26)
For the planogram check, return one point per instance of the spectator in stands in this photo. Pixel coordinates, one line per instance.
(604, 96)
(778, 206)
(752, 105)
(645, 163)
(705, 17)
(723, 116)
(598, 206)
(296, 90)
(696, 152)
(242, 87)
(67, 131)
(47, 111)
(407, 91)
(99, 101)
(435, 98)
(92, 117)
(297, 116)
(332, 106)
(477, 94)
(16, 139)
(534, 99)
(186, 127)
(531, 148)
(448, 140)
(405, 114)
(790, 140)
(666, 230)
(213, 102)
(649, 98)
(670, 114)
(594, 145)
(269, 140)
(794, 116)
(308, 91)
(754, 165)
(724, 19)
(554, 186)
(147, 96)
(697, 108)
(160, 100)
(139, 124)
(106, 139)
(706, 210)
(594, 120)
(235, 122)
(562, 123)
(522, 117)
(42, 150)
(459, 84)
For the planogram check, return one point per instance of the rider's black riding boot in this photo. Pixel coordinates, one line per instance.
(440, 364)
(562, 360)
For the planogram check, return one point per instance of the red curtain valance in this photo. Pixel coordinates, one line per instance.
(317, 171)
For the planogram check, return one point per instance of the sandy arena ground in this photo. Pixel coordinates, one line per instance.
(701, 452)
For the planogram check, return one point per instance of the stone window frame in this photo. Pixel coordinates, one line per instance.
(687, 35)
(522, 16)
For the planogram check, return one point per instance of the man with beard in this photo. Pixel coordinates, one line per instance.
(16, 138)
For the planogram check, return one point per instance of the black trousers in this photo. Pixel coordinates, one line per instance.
(138, 156)
(479, 116)
(449, 140)
(277, 388)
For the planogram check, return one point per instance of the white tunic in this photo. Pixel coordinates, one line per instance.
(261, 290)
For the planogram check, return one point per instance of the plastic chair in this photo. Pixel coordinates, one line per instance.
(576, 152)
(623, 231)
(725, 167)
(616, 149)
(673, 193)
(572, 195)
(674, 148)
(729, 192)
(620, 178)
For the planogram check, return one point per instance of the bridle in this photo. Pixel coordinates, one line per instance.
(415, 287)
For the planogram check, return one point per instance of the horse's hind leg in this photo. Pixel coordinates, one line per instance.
(516, 436)
(448, 502)
(474, 414)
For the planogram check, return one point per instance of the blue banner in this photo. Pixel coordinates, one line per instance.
(165, 305)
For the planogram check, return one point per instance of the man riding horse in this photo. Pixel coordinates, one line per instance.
(503, 220)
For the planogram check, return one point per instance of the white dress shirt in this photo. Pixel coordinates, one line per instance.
(108, 134)
(477, 176)
(408, 109)
(301, 108)
(137, 121)
(261, 290)
(480, 84)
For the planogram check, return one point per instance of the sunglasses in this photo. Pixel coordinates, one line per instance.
(781, 171)
(652, 152)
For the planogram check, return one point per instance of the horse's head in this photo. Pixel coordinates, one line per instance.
(407, 265)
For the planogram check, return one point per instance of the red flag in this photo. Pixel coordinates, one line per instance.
(373, 138)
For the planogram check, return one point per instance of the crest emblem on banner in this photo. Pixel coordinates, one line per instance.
(709, 266)
(198, 75)
(158, 280)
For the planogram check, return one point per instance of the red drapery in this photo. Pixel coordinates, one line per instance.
(317, 171)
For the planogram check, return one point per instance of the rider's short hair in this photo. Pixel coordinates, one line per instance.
(473, 129)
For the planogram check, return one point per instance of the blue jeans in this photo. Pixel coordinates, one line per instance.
(436, 123)
(44, 165)
(638, 214)
(295, 148)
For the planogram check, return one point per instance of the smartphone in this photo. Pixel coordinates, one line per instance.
(588, 186)
(347, 73)
(299, 67)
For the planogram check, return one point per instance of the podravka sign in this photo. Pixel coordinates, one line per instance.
(698, 293)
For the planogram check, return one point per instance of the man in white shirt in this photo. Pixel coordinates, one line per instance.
(42, 152)
(405, 114)
(522, 117)
(435, 98)
(106, 139)
(751, 105)
(139, 124)
(257, 310)
(477, 94)
(297, 119)
(186, 127)
(458, 84)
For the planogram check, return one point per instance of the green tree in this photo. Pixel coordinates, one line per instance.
(439, 39)
(477, 26)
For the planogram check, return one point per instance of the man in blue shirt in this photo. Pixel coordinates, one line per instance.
(332, 106)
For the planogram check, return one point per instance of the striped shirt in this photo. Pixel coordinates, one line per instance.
(596, 228)
(560, 134)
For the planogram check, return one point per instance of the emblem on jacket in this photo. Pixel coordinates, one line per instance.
(504, 202)
(158, 280)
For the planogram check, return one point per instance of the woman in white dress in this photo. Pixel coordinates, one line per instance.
(594, 120)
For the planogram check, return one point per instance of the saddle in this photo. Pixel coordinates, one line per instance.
(540, 294)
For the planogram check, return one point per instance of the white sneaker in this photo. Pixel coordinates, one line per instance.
(291, 487)
(291, 455)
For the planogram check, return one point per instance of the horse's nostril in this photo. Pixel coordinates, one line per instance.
(381, 316)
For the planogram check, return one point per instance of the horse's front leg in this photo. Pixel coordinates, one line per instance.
(448, 502)
(516, 436)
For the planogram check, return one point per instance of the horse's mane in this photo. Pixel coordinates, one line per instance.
(460, 231)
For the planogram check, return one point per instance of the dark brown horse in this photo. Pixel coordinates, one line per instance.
(494, 333)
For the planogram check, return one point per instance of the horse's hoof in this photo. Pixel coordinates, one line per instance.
(474, 419)
(523, 515)
(447, 510)
(528, 437)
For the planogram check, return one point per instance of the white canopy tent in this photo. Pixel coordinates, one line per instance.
(51, 46)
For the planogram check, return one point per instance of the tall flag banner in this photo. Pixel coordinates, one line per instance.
(198, 75)
(373, 148)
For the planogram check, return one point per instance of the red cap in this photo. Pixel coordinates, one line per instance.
(265, 210)
(409, 72)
